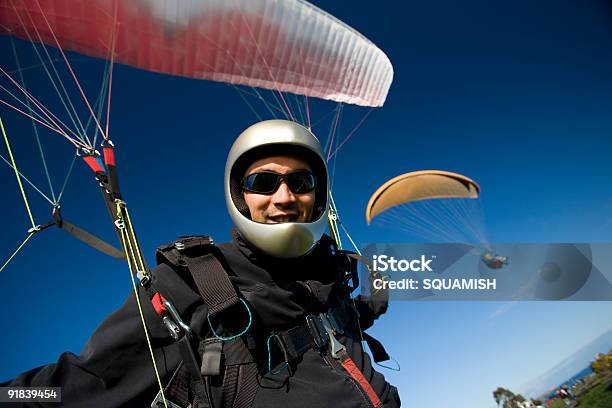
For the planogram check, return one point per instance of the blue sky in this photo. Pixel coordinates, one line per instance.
(515, 95)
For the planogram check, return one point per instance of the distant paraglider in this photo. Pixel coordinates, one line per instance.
(420, 185)
(494, 261)
(434, 204)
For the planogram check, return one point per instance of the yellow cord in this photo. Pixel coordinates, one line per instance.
(17, 250)
(139, 256)
(129, 250)
(25, 200)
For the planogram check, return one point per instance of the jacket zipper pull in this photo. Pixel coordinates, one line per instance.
(338, 351)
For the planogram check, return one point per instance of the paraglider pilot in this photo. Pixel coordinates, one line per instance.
(270, 318)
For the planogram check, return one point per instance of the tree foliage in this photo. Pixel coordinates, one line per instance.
(507, 399)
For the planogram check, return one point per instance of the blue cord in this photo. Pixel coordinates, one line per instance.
(280, 370)
(235, 336)
(396, 368)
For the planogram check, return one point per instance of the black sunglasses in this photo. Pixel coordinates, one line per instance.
(267, 182)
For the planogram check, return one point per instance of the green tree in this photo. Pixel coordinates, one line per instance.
(507, 399)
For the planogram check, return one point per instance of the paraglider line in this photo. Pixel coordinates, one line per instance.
(30, 97)
(23, 194)
(112, 63)
(307, 111)
(28, 106)
(66, 95)
(27, 181)
(257, 95)
(44, 124)
(299, 109)
(333, 130)
(351, 133)
(99, 104)
(323, 117)
(350, 239)
(66, 178)
(34, 66)
(69, 67)
(126, 243)
(16, 251)
(40, 149)
(247, 103)
(280, 94)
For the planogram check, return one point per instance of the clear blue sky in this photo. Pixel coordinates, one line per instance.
(518, 96)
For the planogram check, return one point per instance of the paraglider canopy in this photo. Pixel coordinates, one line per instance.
(420, 185)
(285, 46)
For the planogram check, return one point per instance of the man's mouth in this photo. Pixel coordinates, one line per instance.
(280, 218)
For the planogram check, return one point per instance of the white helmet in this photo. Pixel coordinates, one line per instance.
(272, 138)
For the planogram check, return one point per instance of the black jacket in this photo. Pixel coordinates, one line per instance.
(115, 367)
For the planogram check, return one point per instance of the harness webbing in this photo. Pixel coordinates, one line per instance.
(212, 283)
(88, 238)
(246, 390)
(354, 371)
(178, 387)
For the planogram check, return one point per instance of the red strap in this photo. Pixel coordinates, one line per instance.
(158, 304)
(93, 164)
(109, 156)
(350, 367)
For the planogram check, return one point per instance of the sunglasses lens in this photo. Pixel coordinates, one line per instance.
(301, 182)
(263, 183)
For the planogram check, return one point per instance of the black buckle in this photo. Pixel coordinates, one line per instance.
(317, 331)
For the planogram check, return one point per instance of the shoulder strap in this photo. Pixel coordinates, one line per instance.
(201, 258)
(213, 283)
(198, 255)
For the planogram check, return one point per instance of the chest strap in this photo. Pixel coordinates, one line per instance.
(319, 332)
(288, 345)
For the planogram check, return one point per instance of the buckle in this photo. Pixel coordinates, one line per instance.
(317, 331)
(333, 320)
(158, 402)
(336, 346)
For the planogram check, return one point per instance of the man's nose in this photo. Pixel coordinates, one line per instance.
(283, 195)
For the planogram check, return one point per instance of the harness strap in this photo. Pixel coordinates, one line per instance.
(190, 362)
(82, 235)
(354, 371)
(212, 282)
(247, 386)
(179, 386)
(230, 385)
(240, 377)
(298, 340)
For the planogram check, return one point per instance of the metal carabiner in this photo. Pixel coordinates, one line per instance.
(335, 345)
(177, 317)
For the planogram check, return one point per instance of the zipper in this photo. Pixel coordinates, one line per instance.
(335, 365)
(338, 352)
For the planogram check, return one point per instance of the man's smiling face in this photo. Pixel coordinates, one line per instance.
(283, 205)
